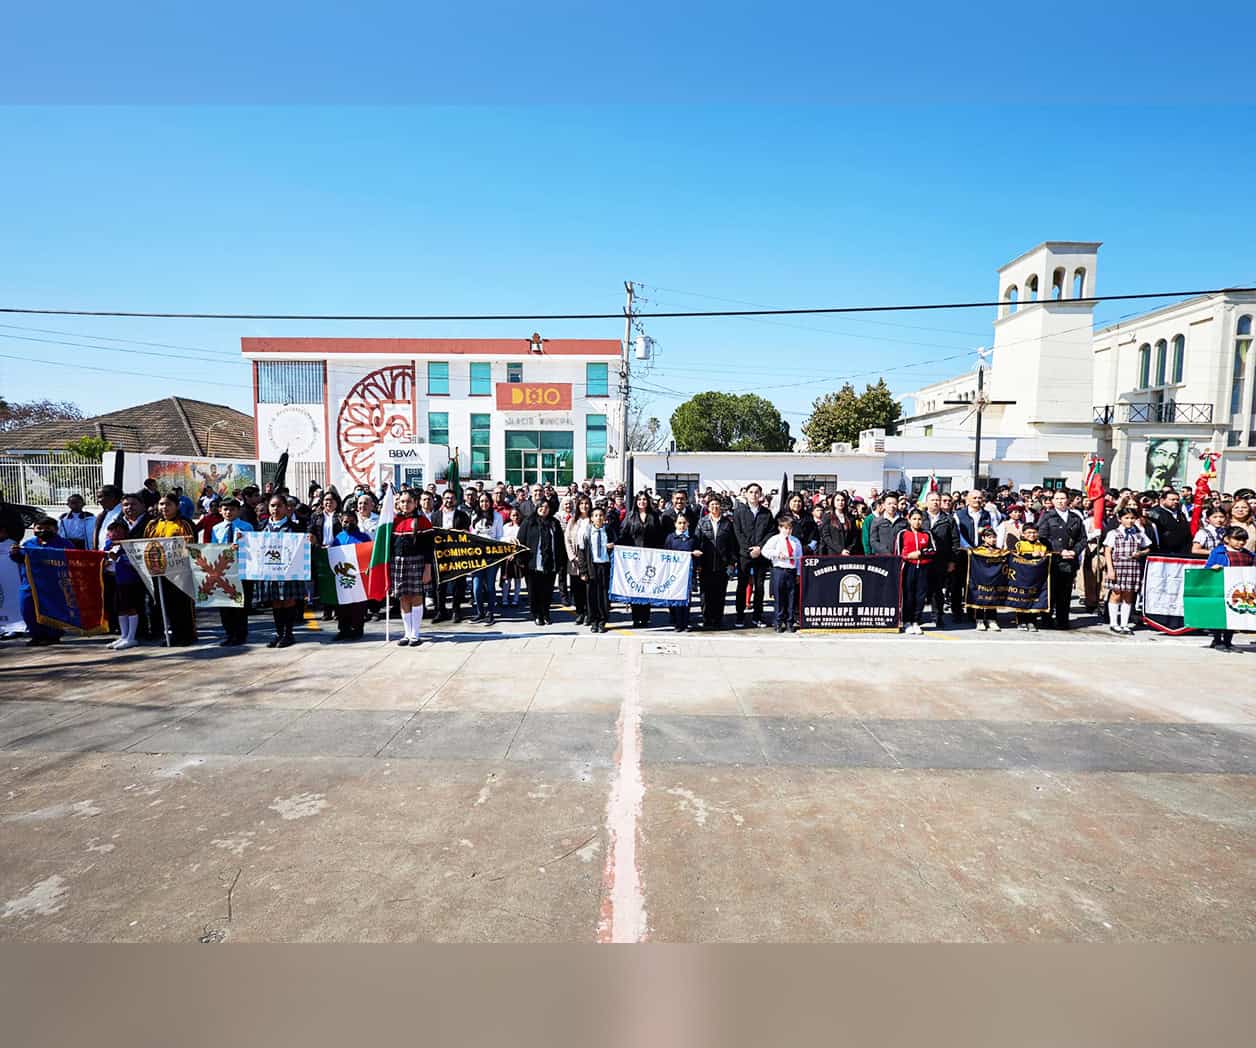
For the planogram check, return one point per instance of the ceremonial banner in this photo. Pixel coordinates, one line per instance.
(1162, 593)
(209, 573)
(459, 553)
(68, 587)
(275, 556)
(1008, 582)
(377, 579)
(850, 593)
(651, 576)
(11, 620)
(1220, 598)
(342, 573)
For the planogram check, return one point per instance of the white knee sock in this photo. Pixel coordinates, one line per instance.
(416, 620)
(127, 626)
(1112, 613)
(1123, 613)
(406, 626)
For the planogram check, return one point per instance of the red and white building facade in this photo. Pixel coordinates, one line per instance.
(509, 409)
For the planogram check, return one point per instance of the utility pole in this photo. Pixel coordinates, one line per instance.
(624, 387)
(979, 405)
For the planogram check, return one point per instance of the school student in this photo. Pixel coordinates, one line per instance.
(1231, 554)
(286, 597)
(235, 621)
(915, 546)
(988, 539)
(595, 550)
(784, 553)
(128, 590)
(1210, 535)
(682, 542)
(1124, 549)
(1028, 545)
(512, 570)
(351, 617)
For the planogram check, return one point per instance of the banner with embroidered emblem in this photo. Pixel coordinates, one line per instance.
(275, 556)
(68, 587)
(207, 572)
(341, 572)
(1005, 581)
(651, 576)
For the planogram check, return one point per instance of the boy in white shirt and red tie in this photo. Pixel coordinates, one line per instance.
(785, 553)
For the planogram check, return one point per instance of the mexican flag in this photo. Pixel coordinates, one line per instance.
(1223, 599)
(377, 579)
(924, 492)
(342, 572)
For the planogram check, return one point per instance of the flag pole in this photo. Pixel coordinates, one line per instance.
(161, 601)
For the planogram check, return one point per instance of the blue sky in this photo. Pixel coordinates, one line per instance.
(779, 164)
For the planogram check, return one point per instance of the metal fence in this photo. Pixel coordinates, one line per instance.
(299, 477)
(49, 478)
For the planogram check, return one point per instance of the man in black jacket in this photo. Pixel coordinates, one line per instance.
(680, 504)
(883, 535)
(753, 525)
(1064, 534)
(720, 551)
(945, 534)
(1173, 529)
(452, 517)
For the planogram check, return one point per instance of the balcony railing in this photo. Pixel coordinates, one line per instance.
(1152, 412)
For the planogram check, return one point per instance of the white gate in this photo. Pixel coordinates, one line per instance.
(48, 478)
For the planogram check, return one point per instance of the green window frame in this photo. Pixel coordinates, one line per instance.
(438, 378)
(539, 457)
(481, 446)
(438, 428)
(481, 379)
(514, 372)
(597, 380)
(595, 446)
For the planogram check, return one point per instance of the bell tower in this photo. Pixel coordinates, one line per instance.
(1043, 335)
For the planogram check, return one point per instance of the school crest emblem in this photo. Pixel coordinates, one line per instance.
(850, 590)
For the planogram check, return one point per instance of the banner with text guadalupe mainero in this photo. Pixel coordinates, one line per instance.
(459, 553)
(850, 593)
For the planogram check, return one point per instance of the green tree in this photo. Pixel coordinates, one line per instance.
(840, 417)
(727, 422)
(92, 448)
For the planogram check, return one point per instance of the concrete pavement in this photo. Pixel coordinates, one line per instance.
(810, 787)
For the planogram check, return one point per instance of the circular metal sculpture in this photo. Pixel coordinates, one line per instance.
(378, 408)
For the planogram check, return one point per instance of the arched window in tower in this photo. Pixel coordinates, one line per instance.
(1011, 297)
(1179, 357)
(1144, 365)
(1162, 352)
(1057, 284)
(1031, 288)
(1079, 283)
(1242, 349)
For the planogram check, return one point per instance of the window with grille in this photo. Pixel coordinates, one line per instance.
(289, 382)
(666, 483)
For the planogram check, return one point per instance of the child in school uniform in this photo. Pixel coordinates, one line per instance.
(350, 618)
(594, 553)
(915, 547)
(988, 546)
(1230, 554)
(128, 590)
(1124, 549)
(784, 552)
(1211, 535)
(1029, 546)
(681, 541)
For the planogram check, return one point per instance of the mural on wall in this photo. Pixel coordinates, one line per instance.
(378, 407)
(224, 476)
(1166, 463)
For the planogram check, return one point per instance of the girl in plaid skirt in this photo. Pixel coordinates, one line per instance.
(1124, 549)
(286, 599)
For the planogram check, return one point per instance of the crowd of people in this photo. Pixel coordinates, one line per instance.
(734, 539)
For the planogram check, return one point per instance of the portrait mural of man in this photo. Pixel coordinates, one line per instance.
(1166, 462)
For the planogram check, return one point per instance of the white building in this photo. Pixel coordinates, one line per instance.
(1148, 394)
(509, 409)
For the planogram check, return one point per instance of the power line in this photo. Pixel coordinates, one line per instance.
(486, 317)
(115, 338)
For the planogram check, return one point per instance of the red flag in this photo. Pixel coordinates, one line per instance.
(1095, 490)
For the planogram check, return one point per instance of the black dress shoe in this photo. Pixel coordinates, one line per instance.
(286, 641)
(404, 642)
(579, 620)
(546, 622)
(489, 621)
(228, 642)
(274, 641)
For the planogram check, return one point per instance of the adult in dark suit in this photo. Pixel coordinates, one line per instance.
(642, 528)
(753, 525)
(839, 533)
(545, 558)
(969, 519)
(941, 525)
(679, 505)
(1173, 528)
(1064, 534)
(883, 535)
(719, 549)
(453, 517)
